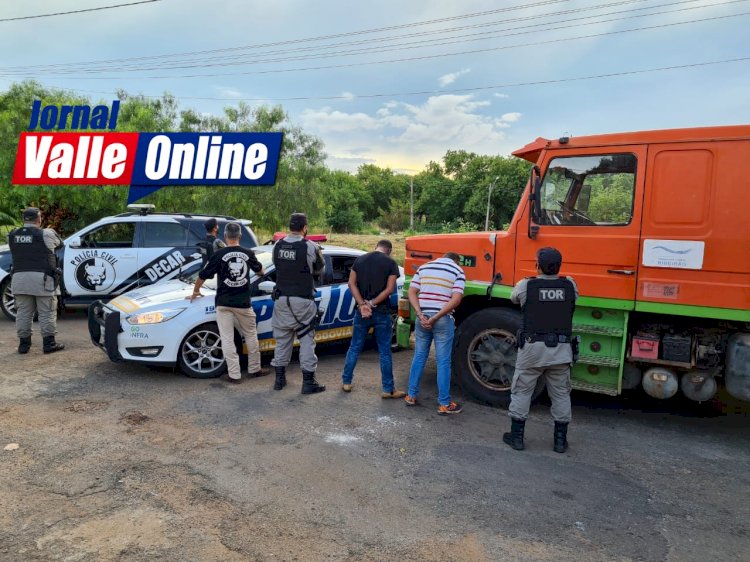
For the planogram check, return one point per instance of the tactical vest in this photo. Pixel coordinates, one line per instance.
(293, 275)
(549, 307)
(29, 251)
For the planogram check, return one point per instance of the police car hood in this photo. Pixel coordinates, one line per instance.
(158, 296)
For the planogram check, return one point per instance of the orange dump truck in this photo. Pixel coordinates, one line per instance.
(654, 227)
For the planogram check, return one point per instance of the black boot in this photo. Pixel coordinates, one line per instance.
(280, 378)
(309, 384)
(49, 345)
(561, 437)
(24, 345)
(515, 437)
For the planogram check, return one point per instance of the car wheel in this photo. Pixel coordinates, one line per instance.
(486, 355)
(200, 355)
(7, 300)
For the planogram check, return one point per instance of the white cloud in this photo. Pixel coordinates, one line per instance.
(348, 96)
(228, 92)
(511, 117)
(451, 77)
(407, 135)
(326, 120)
(501, 96)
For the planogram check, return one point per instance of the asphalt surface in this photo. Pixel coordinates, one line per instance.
(121, 462)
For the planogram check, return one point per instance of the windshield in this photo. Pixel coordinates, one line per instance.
(265, 258)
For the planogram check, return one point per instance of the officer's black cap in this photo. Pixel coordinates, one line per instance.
(548, 258)
(31, 214)
(210, 224)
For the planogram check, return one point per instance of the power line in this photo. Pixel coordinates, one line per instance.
(312, 55)
(79, 11)
(331, 36)
(485, 35)
(441, 91)
(425, 57)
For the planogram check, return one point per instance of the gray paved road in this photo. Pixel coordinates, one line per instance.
(118, 462)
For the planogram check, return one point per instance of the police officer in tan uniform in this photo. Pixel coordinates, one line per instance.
(545, 347)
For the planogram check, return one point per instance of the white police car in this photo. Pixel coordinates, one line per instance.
(120, 253)
(158, 326)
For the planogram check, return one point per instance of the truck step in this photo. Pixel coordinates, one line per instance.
(599, 330)
(592, 387)
(601, 361)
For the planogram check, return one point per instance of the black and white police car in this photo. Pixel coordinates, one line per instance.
(158, 326)
(120, 253)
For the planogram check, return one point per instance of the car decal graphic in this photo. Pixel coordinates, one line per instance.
(167, 265)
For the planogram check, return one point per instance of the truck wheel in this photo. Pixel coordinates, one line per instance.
(486, 355)
(7, 300)
(200, 355)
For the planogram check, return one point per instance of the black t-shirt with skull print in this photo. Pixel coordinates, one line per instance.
(234, 266)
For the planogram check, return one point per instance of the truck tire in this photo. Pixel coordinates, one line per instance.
(7, 300)
(485, 355)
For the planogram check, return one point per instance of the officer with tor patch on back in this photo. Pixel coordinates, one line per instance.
(295, 314)
(546, 347)
(36, 280)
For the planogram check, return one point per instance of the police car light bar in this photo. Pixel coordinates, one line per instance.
(142, 208)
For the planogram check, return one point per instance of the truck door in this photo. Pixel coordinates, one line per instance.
(588, 207)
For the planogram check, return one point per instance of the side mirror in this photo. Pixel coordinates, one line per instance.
(266, 287)
(74, 242)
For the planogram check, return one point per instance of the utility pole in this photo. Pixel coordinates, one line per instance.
(489, 194)
(411, 190)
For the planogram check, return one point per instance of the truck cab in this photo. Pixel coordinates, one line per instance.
(651, 227)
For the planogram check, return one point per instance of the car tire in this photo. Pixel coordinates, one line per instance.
(200, 355)
(7, 300)
(485, 355)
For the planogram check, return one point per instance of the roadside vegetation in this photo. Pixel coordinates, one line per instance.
(449, 195)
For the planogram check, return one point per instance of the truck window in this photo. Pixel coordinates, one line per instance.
(589, 190)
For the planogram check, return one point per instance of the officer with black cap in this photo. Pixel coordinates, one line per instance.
(298, 261)
(36, 279)
(545, 347)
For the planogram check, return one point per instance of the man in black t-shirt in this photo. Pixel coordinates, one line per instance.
(234, 267)
(372, 281)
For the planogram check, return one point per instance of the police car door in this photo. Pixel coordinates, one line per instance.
(96, 261)
(164, 251)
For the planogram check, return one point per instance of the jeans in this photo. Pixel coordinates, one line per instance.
(442, 332)
(382, 323)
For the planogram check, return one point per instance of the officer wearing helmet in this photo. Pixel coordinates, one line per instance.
(36, 279)
(546, 347)
(295, 314)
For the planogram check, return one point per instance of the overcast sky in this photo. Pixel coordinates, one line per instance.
(503, 50)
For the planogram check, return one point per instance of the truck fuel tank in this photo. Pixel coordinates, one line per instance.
(737, 374)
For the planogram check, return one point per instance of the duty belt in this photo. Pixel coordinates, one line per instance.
(547, 338)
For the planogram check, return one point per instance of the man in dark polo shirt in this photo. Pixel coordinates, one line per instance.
(372, 281)
(234, 267)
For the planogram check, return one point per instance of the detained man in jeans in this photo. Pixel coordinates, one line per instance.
(435, 292)
(234, 267)
(372, 281)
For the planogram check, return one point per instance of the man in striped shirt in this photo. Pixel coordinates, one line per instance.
(435, 292)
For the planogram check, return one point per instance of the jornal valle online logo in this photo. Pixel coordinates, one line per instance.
(91, 152)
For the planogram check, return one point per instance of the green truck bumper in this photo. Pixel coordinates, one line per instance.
(403, 332)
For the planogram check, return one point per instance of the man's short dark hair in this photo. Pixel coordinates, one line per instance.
(452, 256)
(210, 224)
(31, 214)
(232, 231)
(297, 222)
(385, 244)
(549, 260)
